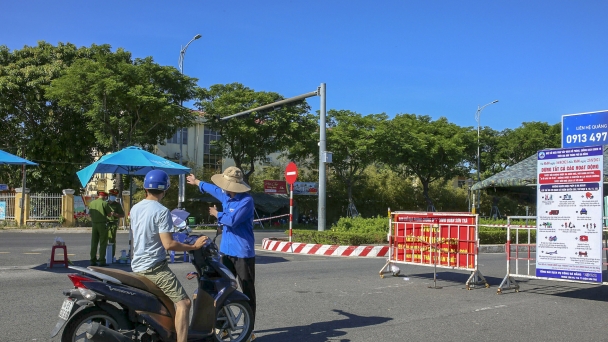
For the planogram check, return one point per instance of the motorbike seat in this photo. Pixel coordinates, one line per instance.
(139, 282)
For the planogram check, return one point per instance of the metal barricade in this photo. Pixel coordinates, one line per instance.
(9, 200)
(442, 240)
(524, 252)
(45, 207)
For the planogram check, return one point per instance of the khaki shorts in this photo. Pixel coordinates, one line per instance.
(165, 279)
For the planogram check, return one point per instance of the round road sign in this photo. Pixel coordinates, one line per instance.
(291, 173)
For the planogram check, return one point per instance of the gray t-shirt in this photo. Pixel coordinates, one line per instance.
(148, 220)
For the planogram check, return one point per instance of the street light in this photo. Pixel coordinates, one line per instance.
(182, 178)
(477, 118)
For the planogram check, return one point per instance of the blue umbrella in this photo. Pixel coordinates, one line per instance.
(131, 160)
(11, 159)
(7, 158)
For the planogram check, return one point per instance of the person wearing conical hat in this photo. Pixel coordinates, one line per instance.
(236, 218)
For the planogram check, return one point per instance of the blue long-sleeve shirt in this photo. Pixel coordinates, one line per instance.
(236, 218)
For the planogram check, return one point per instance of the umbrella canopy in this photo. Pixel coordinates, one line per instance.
(131, 160)
(7, 158)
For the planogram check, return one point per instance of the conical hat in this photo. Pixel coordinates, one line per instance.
(231, 180)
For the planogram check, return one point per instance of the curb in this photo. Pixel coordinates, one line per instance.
(280, 245)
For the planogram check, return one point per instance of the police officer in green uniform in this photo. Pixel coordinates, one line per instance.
(99, 210)
(115, 215)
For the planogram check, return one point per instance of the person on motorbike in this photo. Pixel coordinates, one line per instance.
(238, 244)
(152, 227)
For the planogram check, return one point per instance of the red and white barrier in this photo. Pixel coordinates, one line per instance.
(326, 250)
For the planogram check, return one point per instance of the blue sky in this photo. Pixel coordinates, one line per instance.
(540, 59)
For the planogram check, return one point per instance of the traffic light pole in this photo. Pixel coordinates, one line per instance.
(322, 153)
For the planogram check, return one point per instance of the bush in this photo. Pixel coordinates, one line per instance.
(330, 237)
(497, 236)
(530, 222)
(362, 225)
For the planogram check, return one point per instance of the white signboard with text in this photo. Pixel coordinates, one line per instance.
(569, 214)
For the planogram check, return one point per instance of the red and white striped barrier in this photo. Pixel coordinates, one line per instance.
(326, 250)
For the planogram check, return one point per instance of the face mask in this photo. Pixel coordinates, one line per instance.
(112, 198)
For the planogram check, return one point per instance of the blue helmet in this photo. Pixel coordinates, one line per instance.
(157, 180)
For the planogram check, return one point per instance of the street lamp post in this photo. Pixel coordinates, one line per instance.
(477, 118)
(182, 178)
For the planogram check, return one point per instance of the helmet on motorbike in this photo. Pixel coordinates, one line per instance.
(157, 180)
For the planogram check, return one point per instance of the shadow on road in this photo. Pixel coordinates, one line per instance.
(560, 289)
(589, 291)
(453, 279)
(81, 263)
(321, 331)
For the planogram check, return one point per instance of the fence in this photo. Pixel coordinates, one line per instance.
(444, 240)
(45, 207)
(521, 257)
(9, 199)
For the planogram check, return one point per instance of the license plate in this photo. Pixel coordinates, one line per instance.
(66, 309)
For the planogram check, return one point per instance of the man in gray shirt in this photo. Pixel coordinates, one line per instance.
(152, 236)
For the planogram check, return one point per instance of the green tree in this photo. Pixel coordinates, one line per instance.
(125, 101)
(352, 139)
(251, 139)
(39, 128)
(520, 143)
(430, 150)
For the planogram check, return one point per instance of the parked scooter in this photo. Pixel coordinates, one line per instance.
(113, 305)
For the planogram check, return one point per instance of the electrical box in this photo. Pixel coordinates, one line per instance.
(327, 157)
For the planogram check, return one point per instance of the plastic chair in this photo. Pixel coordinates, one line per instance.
(65, 256)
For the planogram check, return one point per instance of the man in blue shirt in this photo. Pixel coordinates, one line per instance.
(236, 217)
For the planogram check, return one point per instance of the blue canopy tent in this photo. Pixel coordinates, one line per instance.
(130, 161)
(11, 159)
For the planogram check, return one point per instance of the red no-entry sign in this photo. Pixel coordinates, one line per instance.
(291, 173)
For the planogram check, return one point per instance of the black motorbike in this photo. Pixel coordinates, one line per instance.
(112, 305)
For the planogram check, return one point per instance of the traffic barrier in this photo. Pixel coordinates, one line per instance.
(528, 256)
(444, 240)
(273, 244)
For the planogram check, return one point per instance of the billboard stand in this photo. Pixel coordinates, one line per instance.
(475, 279)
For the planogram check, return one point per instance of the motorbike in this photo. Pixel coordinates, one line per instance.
(112, 305)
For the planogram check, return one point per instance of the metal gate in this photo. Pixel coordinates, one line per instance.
(45, 207)
(521, 255)
(9, 200)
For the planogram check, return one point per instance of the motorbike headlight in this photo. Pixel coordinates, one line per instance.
(87, 294)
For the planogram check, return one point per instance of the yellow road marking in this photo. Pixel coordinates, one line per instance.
(71, 254)
(5, 252)
(32, 253)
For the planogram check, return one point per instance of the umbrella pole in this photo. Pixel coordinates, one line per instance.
(22, 218)
(130, 207)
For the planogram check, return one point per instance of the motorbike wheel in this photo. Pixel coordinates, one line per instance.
(234, 322)
(75, 329)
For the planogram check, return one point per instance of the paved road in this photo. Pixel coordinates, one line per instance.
(313, 298)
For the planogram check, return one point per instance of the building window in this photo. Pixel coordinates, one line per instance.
(212, 159)
(208, 139)
(175, 138)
